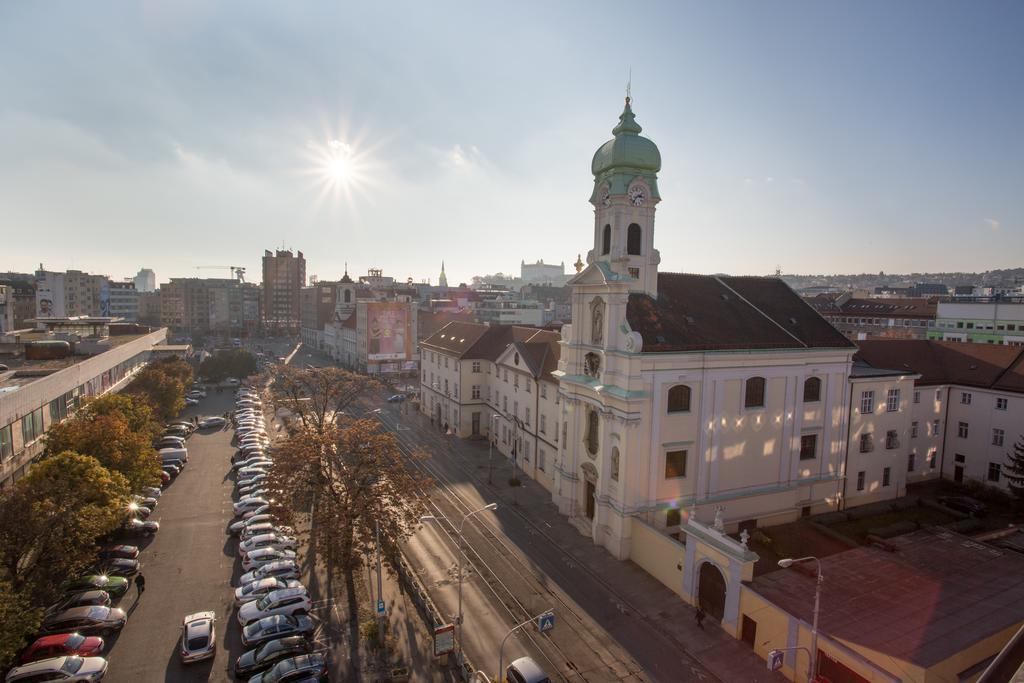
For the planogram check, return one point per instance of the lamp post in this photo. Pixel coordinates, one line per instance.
(490, 445)
(461, 542)
(812, 672)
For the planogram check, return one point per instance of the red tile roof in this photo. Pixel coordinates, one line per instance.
(703, 312)
(487, 342)
(935, 595)
(991, 366)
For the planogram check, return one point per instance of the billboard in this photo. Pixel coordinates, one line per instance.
(388, 336)
(49, 295)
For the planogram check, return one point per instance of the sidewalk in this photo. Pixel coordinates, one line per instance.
(634, 593)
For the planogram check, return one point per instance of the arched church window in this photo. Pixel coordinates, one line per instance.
(592, 438)
(679, 399)
(812, 390)
(606, 240)
(348, 296)
(615, 464)
(634, 239)
(754, 393)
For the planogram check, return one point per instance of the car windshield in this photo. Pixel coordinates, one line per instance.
(268, 650)
(71, 665)
(98, 613)
(74, 641)
(264, 602)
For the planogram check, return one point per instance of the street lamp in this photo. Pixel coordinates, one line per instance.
(785, 563)
(432, 518)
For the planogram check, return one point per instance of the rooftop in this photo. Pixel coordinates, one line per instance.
(933, 595)
(989, 366)
(706, 313)
(487, 342)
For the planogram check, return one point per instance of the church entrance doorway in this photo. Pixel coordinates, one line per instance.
(591, 490)
(711, 591)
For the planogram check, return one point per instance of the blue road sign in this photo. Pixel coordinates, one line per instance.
(775, 659)
(546, 622)
(380, 607)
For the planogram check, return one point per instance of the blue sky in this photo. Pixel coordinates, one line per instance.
(819, 137)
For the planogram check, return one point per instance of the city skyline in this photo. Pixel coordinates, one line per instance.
(785, 141)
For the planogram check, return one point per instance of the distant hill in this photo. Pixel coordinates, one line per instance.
(991, 278)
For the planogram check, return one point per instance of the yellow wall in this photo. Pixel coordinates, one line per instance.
(659, 555)
(948, 669)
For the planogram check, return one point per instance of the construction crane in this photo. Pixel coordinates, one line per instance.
(236, 271)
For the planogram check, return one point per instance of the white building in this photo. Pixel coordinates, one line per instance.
(124, 300)
(145, 280)
(543, 273)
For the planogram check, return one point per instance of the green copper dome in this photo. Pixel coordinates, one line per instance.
(628, 150)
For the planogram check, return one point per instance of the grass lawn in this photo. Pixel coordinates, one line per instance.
(858, 529)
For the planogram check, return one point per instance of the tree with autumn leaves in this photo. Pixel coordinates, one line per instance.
(161, 385)
(343, 478)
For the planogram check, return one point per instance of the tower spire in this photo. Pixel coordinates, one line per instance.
(443, 280)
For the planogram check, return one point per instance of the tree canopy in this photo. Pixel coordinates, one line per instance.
(231, 363)
(319, 397)
(110, 439)
(162, 386)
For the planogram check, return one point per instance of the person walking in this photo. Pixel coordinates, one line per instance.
(699, 616)
(140, 583)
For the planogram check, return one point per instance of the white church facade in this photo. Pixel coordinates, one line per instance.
(687, 395)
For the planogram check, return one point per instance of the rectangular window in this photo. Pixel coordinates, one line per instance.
(527, 420)
(515, 408)
(962, 430)
(960, 458)
(543, 423)
(6, 443)
(673, 517)
(476, 366)
(917, 397)
(808, 446)
(542, 459)
(456, 389)
(860, 480)
(936, 426)
(506, 375)
(938, 395)
(504, 403)
(995, 471)
(476, 391)
(886, 476)
(528, 389)
(910, 461)
(892, 401)
(754, 393)
(446, 361)
(913, 429)
(965, 398)
(675, 464)
(997, 437)
(1001, 403)
(933, 459)
(891, 439)
(867, 443)
(515, 381)
(446, 386)
(565, 431)
(543, 390)
(867, 402)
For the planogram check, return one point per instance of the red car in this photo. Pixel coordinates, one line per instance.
(61, 645)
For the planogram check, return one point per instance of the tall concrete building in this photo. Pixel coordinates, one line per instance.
(201, 305)
(71, 293)
(124, 300)
(284, 276)
(145, 280)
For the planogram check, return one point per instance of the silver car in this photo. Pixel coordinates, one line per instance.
(71, 669)
(198, 637)
(255, 590)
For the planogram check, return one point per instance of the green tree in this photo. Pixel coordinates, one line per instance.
(1014, 469)
(50, 519)
(111, 440)
(232, 363)
(135, 411)
(162, 387)
(18, 621)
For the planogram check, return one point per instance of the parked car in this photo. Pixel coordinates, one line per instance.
(254, 461)
(187, 424)
(261, 510)
(239, 526)
(249, 481)
(397, 398)
(306, 667)
(189, 401)
(255, 590)
(281, 569)
(140, 511)
(89, 621)
(198, 637)
(83, 599)
(525, 670)
(269, 653)
(118, 566)
(282, 601)
(208, 422)
(169, 442)
(257, 529)
(165, 477)
(258, 558)
(72, 669)
(268, 540)
(247, 504)
(279, 626)
(260, 490)
(147, 501)
(138, 527)
(170, 470)
(116, 586)
(152, 491)
(62, 645)
(964, 504)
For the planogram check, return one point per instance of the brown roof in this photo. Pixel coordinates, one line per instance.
(432, 321)
(487, 342)
(924, 309)
(935, 595)
(541, 352)
(704, 312)
(992, 366)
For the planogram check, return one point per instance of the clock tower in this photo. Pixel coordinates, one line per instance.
(625, 195)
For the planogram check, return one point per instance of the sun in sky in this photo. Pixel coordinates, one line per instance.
(341, 169)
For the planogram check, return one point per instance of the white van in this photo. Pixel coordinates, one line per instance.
(174, 454)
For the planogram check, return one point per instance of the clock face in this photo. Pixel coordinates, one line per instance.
(637, 195)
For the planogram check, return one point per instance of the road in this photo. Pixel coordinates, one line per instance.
(190, 566)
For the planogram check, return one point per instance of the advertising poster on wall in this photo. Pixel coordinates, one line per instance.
(49, 295)
(387, 331)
